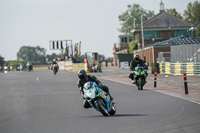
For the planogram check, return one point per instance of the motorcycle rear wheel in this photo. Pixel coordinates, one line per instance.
(55, 72)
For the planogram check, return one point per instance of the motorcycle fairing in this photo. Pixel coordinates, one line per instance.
(94, 92)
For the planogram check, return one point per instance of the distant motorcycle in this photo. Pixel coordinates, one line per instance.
(98, 99)
(30, 67)
(55, 68)
(139, 76)
(5, 68)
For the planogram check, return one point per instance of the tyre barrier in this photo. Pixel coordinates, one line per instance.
(180, 68)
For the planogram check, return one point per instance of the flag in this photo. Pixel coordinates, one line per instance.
(79, 49)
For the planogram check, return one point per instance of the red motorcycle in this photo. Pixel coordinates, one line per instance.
(55, 68)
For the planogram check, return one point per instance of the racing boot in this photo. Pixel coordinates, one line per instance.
(86, 104)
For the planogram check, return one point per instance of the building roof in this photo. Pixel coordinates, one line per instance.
(176, 41)
(164, 20)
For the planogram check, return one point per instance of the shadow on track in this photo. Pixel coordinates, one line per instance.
(127, 115)
(120, 115)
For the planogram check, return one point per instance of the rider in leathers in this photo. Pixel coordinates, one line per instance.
(54, 62)
(85, 78)
(134, 63)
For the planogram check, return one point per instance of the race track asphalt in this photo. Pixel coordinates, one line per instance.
(40, 102)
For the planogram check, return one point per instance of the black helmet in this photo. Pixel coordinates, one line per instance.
(82, 74)
(137, 57)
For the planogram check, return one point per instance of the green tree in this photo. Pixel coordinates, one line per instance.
(15, 64)
(132, 46)
(33, 54)
(192, 13)
(198, 32)
(1, 61)
(76, 50)
(109, 59)
(51, 57)
(173, 12)
(134, 12)
(102, 58)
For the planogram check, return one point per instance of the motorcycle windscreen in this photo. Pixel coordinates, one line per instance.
(90, 93)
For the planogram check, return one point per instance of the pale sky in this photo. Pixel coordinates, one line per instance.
(93, 22)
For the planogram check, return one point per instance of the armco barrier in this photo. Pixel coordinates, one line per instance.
(180, 68)
(172, 68)
(197, 69)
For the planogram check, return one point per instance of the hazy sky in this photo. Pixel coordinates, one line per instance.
(93, 22)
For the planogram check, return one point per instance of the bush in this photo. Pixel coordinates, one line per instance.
(15, 64)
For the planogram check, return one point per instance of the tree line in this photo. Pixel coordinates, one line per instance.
(37, 56)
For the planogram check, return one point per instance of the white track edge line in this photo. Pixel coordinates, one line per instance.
(157, 91)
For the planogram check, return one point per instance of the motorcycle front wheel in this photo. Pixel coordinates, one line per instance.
(112, 111)
(102, 107)
(140, 83)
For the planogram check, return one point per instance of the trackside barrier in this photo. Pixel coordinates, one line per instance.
(40, 68)
(190, 69)
(77, 67)
(167, 68)
(177, 68)
(83, 66)
(162, 67)
(197, 69)
(172, 68)
(180, 68)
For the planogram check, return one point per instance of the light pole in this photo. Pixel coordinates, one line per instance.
(142, 32)
(134, 22)
(191, 30)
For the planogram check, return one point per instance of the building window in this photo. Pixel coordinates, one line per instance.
(172, 34)
(158, 34)
(179, 33)
(152, 34)
(124, 40)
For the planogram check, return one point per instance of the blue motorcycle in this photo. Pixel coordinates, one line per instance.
(98, 99)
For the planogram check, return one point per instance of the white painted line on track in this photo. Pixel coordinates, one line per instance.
(156, 91)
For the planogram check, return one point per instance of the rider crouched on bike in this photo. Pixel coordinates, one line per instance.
(54, 62)
(134, 63)
(29, 64)
(83, 78)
